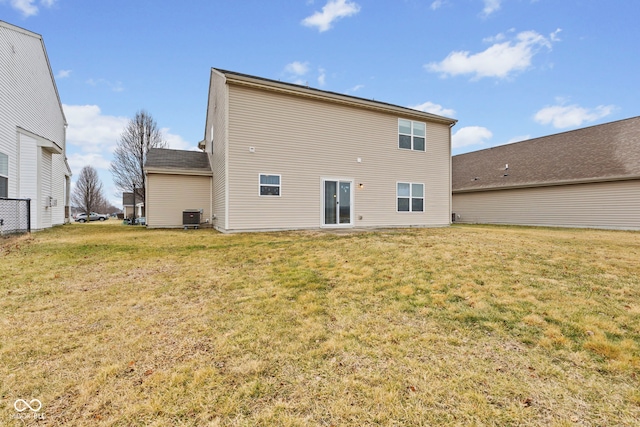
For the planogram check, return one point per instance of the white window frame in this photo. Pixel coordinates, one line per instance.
(2, 175)
(413, 135)
(260, 185)
(411, 197)
(351, 182)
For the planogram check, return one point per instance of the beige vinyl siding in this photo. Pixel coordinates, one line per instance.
(217, 115)
(169, 195)
(305, 140)
(598, 205)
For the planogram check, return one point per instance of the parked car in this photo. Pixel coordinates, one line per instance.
(93, 216)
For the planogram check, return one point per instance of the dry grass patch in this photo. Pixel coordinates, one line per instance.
(111, 325)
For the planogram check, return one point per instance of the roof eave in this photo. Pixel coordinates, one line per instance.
(177, 171)
(548, 184)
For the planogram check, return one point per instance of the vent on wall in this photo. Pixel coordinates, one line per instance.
(50, 202)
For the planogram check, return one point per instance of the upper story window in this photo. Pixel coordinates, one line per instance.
(269, 185)
(410, 197)
(411, 135)
(4, 175)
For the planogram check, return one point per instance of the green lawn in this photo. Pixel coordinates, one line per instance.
(112, 325)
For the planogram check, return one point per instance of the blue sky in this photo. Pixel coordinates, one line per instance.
(507, 70)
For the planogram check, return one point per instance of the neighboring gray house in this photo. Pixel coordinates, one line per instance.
(128, 203)
(588, 177)
(282, 156)
(32, 129)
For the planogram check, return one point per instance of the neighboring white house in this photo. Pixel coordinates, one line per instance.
(587, 177)
(285, 156)
(32, 129)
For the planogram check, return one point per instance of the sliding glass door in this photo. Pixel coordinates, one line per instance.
(337, 209)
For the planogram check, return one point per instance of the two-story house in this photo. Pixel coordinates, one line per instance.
(283, 156)
(33, 161)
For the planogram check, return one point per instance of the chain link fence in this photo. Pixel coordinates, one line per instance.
(15, 216)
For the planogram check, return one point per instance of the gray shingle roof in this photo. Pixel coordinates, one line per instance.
(164, 158)
(598, 153)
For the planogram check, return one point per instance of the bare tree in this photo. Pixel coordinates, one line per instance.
(87, 194)
(140, 135)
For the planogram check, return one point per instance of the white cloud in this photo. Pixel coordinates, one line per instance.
(322, 77)
(92, 131)
(332, 11)
(297, 68)
(355, 88)
(564, 116)
(92, 137)
(79, 160)
(63, 74)
(26, 7)
(500, 60)
(518, 139)
(470, 135)
(498, 37)
(430, 107)
(437, 4)
(29, 7)
(554, 36)
(491, 6)
(176, 142)
(296, 72)
(116, 87)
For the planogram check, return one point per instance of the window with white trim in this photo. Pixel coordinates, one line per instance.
(4, 175)
(269, 185)
(410, 197)
(411, 135)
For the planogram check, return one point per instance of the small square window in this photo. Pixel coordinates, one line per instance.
(269, 185)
